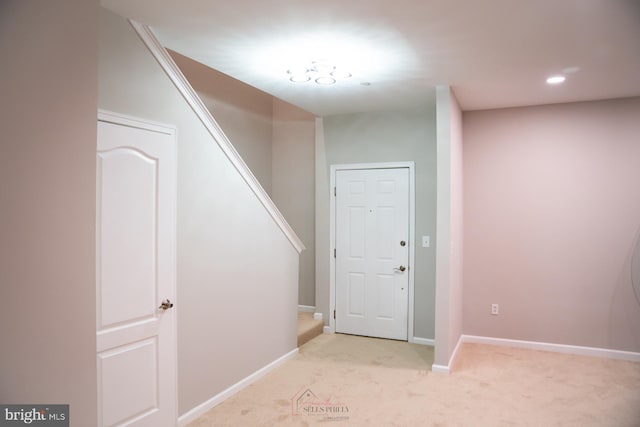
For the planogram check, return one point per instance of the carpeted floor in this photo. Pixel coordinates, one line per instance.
(308, 327)
(344, 380)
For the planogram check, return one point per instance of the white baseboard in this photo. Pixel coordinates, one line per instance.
(201, 409)
(533, 345)
(317, 316)
(307, 308)
(423, 341)
(558, 348)
(440, 369)
(327, 330)
(446, 369)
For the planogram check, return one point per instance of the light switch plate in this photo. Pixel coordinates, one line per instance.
(426, 241)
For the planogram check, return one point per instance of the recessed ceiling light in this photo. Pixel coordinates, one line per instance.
(554, 80)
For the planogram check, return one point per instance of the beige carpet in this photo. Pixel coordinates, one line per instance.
(355, 381)
(308, 327)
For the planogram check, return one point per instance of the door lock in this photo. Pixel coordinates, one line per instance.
(166, 305)
(401, 268)
(403, 243)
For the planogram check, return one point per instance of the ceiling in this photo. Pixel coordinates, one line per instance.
(494, 53)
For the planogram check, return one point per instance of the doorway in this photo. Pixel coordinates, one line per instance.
(372, 229)
(135, 275)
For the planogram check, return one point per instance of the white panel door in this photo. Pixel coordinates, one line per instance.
(136, 349)
(372, 252)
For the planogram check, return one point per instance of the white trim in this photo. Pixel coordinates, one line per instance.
(440, 369)
(317, 316)
(107, 116)
(446, 369)
(328, 330)
(306, 308)
(412, 237)
(201, 409)
(194, 101)
(424, 341)
(557, 348)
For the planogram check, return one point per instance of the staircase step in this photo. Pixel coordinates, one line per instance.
(308, 327)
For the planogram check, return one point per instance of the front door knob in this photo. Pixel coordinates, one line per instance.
(401, 268)
(166, 305)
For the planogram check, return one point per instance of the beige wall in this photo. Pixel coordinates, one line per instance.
(407, 135)
(275, 139)
(457, 223)
(48, 198)
(243, 112)
(293, 184)
(552, 208)
(237, 272)
(449, 253)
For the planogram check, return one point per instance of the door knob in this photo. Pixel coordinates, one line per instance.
(166, 305)
(401, 268)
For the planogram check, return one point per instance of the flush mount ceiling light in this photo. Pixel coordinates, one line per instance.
(353, 53)
(554, 80)
(325, 80)
(340, 74)
(299, 78)
(322, 72)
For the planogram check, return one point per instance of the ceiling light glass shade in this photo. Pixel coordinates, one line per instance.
(322, 67)
(554, 80)
(322, 72)
(325, 80)
(300, 78)
(341, 74)
(298, 71)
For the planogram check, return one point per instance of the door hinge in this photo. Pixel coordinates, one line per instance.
(334, 314)
(334, 253)
(335, 191)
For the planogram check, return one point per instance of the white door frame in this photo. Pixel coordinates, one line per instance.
(412, 237)
(171, 269)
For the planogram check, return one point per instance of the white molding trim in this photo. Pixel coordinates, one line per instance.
(424, 341)
(446, 369)
(317, 316)
(557, 348)
(201, 409)
(135, 122)
(194, 101)
(440, 369)
(412, 235)
(328, 330)
(307, 308)
(534, 345)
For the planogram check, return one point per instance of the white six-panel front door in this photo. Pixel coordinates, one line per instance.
(136, 353)
(372, 252)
